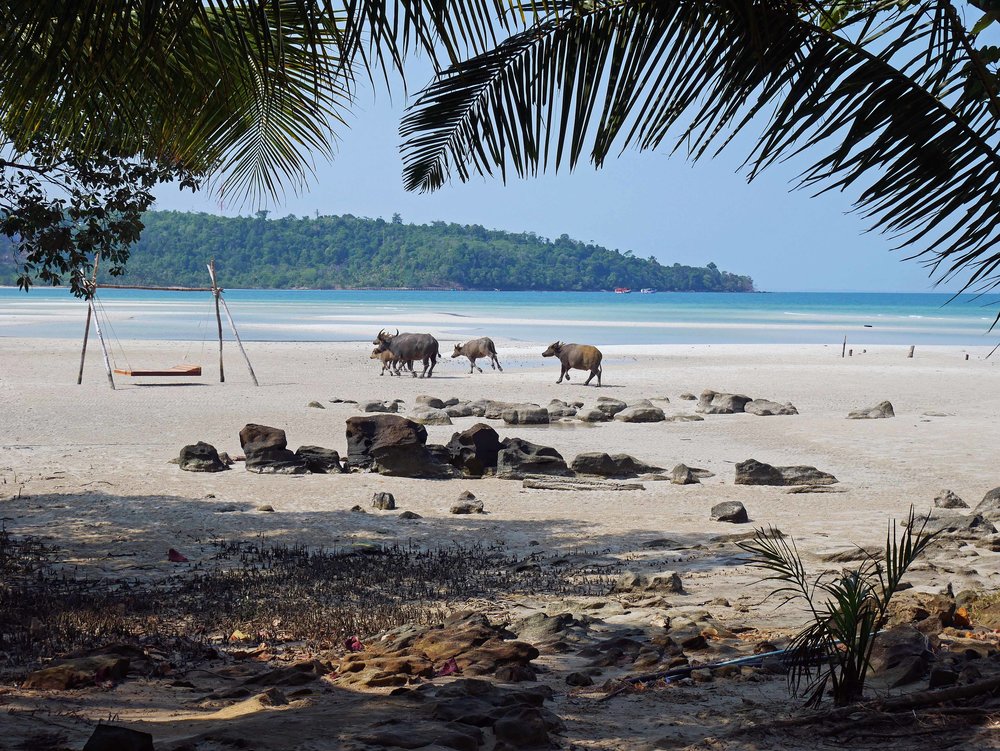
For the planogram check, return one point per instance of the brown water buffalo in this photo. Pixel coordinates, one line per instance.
(408, 347)
(389, 361)
(476, 348)
(576, 357)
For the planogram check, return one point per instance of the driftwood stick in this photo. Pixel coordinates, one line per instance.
(536, 482)
(239, 342)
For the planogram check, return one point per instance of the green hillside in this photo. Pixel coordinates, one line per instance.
(330, 252)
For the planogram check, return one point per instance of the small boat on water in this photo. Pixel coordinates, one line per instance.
(647, 290)
(622, 290)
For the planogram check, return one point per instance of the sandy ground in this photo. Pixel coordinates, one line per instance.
(87, 467)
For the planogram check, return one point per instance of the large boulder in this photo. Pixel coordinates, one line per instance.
(474, 451)
(715, 403)
(201, 457)
(605, 465)
(766, 408)
(730, 511)
(989, 507)
(519, 457)
(879, 411)
(753, 472)
(901, 655)
(392, 445)
(266, 451)
(641, 411)
(320, 460)
(525, 414)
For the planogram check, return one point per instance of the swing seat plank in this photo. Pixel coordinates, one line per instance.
(176, 370)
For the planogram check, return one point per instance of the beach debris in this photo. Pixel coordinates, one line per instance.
(989, 507)
(201, 457)
(393, 445)
(320, 460)
(766, 408)
(610, 465)
(879, 411)
(559, 408)
(474, 451)
(79, 671)
(730, 511)
(682, 475)
(316, 405)
(174, 556)
(114, 738)
(519, 457)
(525, 414)
(547, 482)
(949, 499)
(635, 581)
(717, 403)
(379, 405)
(407, 515)
(429, 401)
(383, 501)
(592, 414)
(641, 411)
(429, 415)
(688, 396)
(753, 472)
(266, 451)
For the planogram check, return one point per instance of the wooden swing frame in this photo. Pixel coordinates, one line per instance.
(177, 370)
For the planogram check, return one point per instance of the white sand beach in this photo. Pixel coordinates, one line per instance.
(87, 468)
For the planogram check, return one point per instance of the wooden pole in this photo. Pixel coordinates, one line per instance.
(239, 342)
(104, 347)
(90, 312)
(218, 317)
(912, 347)
(843, 350)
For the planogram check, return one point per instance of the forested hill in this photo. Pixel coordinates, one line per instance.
(350, 252)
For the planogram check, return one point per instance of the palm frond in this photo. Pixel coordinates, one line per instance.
(878, 98)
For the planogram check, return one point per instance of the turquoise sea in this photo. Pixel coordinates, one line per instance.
(595, 317)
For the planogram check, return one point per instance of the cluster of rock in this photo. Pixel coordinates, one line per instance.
(947, 517)
(266, 452)
(719, 403)
(753, 472)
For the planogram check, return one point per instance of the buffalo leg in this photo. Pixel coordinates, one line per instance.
(496, 360)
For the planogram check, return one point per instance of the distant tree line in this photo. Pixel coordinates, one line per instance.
(335, 252)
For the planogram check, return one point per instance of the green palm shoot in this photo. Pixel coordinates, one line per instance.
(848, 608)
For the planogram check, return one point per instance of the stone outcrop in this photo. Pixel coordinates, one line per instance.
(632, 581)
(320, 460)
(266, 451)
(989, 507)
(949, 499)
(426, 415)
(766, 408)
(519, 457)
(879, 411)
(201, 457)
(753, 472)
(474, 451)
(641, 411)
(606, 465)
(716, 403)
(525, 414)
(392, 445)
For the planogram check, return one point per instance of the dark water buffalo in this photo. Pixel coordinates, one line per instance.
(409, 347)
(576, 357)
(389, 361)
(476, 348)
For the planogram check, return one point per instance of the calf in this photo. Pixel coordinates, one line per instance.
(576, 357)
(476, 348)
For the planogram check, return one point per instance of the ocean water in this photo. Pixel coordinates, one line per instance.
(593, 317)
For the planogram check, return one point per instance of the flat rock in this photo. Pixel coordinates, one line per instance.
(376, 405)
(641, 411)
(879, 411)
(989, 507)
(525, 414)
(607, 465)
(315, 405)
(519, 457)
(468, 507)
(688, 396)
(684, 418)
(609, 405)
(592, 414)
(201, 457)
(320, 460)
(753, 472)
(559, 408)
(77, 672)
(426, 415)
(716, 403)
(730, 511)
(429, 401)
(765, 408)
(949, 499)
(462, 409)
(634, 581)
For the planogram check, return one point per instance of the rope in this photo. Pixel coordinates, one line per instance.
(102, 311)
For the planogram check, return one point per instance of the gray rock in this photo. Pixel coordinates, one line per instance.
(766, 408)
(474, 451)
(525, 414)
(687, 396)
(684, 418)
(383, 501)
(338, 400)
(900, 655)
(715, 403)
(315, 405)
(461, 409)
(682, 475)
(559, 408)
(410, 515)
(266, 508)
(730, 511)
(614, 465)
(320, 460)
(879, 411)
(468, 507)
(266, 451)
(518, 458)
(633, 581)
(393, 445)
(493, 410)
(610, 406)
(753, 472)
(430, 416)
(201, 457)
(592, 414)
(948, 499)
(429, 401)
(379, 406)
(989, 507)
(641, 411)
(579, 679)
(956, 523)
(479, 407)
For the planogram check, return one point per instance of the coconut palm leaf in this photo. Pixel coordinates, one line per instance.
(876, 95)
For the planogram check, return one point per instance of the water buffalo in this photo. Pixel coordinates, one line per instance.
(389, 361)
(409, 347)
(576, 357)
(476, 348)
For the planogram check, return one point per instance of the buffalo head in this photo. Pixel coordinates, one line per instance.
(458, 351)
(553, 350)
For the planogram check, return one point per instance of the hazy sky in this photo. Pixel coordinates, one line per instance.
(647, 202)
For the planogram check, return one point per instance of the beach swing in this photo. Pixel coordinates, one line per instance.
(95, 311)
